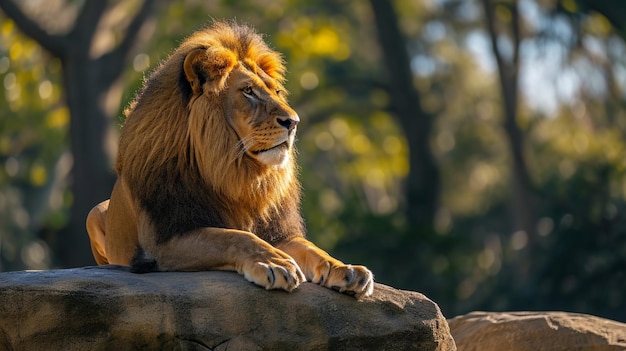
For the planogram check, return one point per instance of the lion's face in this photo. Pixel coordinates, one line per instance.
(251, 97)
(258, 112)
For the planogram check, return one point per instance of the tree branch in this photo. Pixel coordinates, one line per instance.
(57, 45)
(493, 35)
(135, 26)
(516, 28)
(115, 59)
(87, 22)
(523, 214)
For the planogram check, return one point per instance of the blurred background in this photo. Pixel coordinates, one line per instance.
(472, 150)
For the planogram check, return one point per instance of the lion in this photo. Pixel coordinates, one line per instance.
(207, 177)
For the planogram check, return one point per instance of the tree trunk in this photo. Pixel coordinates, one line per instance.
(522, 196)
(87, 82)
(92, 175)
(423, 183)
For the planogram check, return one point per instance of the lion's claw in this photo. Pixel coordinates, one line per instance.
(278, 273)
(348, 279)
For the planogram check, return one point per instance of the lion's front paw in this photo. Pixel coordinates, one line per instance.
(274, 273)
(357, 280)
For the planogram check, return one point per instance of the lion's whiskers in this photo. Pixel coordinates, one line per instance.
(241, 148)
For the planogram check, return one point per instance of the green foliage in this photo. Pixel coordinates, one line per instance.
(32, 145)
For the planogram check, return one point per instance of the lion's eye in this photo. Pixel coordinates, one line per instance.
(248, 91)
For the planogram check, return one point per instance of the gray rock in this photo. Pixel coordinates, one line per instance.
(108, 308)
(536, 331)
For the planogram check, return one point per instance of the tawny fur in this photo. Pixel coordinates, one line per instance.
(181, 132)
(207, 173)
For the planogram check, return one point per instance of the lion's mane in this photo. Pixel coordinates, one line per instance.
(179, 148)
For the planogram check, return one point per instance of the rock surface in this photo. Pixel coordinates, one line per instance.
(536, 331)
(108, 308)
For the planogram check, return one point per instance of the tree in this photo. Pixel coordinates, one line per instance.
(524, 218)
(423, 182)
(89, 80)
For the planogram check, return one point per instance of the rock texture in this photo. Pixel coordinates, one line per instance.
(108, 308)
(536, 331)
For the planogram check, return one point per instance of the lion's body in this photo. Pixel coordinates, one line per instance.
(207, 173)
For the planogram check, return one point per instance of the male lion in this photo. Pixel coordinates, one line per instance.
(207, 174)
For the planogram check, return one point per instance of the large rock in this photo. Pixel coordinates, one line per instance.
(108, 308)
(536, 331)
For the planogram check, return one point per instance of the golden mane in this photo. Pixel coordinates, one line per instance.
(207, 173)
(174, 139)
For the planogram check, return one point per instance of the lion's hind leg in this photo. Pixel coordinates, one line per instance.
(96, 230)
(321, 268)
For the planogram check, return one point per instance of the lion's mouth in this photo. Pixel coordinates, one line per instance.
(284, 145)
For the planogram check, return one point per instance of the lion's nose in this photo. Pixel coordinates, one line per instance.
(288, 122)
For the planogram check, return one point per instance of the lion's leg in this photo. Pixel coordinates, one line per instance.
(321, 268)
(225, 249)
(121, 226)
(96, 230)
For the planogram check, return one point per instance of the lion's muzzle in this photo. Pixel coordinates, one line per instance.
(289, 123)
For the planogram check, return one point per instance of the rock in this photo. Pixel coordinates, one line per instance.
(109, 308)
(536, 331)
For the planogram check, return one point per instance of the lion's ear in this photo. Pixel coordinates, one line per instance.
(208, 68)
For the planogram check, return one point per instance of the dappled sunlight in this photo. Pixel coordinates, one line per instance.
(354, 144)
(573, 146)
(32, 137)
(309, 80)
(519, 240)
(36, 255)
(307, 39)
(58, 118)
(376, 160)
(141, 62)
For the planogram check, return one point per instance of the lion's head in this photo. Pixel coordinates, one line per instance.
(231, 66)
(214, 113)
